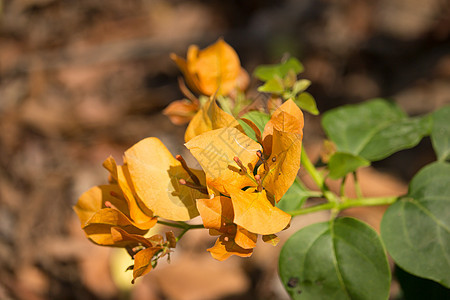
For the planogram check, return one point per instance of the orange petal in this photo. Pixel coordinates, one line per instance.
(217, 67)
(155, 174)
(225, 247)
(181, 112)
(216, 213)
(283, 163)
(191, 79)
(215, 150)
(120, 235)
(97, 219)
(245, 238)
(139, 213)
(287, 118)
(209, 117)
(254, 212)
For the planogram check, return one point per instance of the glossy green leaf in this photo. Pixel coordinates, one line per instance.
(416, 229)
(341, 164)
(341, 259)
(307, 102)
(399, 135)
(274, 85)
(373, 129)
(440, 133)
(267, 72)
(259, 118)
(294, 198)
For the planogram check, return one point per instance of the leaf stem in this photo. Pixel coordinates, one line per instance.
(344, 205)
(357, 186)
(309, 167)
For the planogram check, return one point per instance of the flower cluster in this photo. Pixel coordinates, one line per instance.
(235, 193)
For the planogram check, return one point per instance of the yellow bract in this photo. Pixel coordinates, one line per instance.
(208, 118)
(138, 211)
(155, 175)
(214, 70)
(217, 213)
(215, 150)
(254, 212)
(282, 139)
(181, 112)
(226, 247)
(103, 207)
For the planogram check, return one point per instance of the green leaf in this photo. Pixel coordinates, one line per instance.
(300, 86)
(267, 72)
(416, 229)
(259, 118)
(248, 130)
(440, 133)
(340, 259)
(295, 196)
(341, 164)
(306, 102)
(373, 129)
(399, 135)
(274, 85)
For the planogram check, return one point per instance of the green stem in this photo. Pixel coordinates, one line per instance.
(367, 202)
(181, 225)
(357, 186)
(309, 167)
(342, 188)
(347, 204)
(176, 225)
(181, 234)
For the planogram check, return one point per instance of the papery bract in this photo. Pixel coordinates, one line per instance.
(254, 212)
(213, 70)
(225, 247)
(155, 175)
(215, 151)
(99, 211)
(209, 117)
(139, 213)
(181, 112)
(282, 140)
(217, 215)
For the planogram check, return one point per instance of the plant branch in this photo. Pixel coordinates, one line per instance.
(347, 204)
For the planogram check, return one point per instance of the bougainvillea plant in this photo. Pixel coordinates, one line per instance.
(248, 186)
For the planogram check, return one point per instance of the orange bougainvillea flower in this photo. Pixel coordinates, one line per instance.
(239, 209)
(213, 70)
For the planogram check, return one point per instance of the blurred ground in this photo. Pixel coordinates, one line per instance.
(80, 80)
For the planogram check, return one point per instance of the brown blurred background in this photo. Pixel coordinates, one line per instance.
(80, 80)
